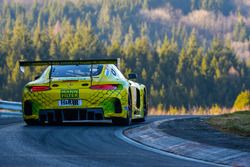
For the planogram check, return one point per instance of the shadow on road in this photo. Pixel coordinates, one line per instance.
(83, 124)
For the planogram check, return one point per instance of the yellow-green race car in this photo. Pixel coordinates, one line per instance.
(82, 90)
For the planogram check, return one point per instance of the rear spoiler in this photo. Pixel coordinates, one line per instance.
(70, 62)
(91, 62)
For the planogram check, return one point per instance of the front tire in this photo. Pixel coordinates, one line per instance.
(145, 109)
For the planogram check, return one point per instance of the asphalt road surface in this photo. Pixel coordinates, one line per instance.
(76, 145)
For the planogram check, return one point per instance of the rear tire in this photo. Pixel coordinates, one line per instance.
(32, 122)
(115, 121)
(125, 121)
(140, 120)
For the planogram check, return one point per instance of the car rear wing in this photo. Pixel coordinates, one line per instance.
(91, 62)
(70, 62)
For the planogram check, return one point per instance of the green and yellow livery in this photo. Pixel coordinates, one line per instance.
(82, 90)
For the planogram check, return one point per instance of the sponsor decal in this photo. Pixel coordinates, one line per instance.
(126, 108)
(69, 93)
(107, 72)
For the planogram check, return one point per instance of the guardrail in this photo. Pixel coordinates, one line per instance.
(13, 106)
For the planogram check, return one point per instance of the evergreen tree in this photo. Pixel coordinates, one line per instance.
(182, 63)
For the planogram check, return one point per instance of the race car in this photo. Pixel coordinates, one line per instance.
(82, 90)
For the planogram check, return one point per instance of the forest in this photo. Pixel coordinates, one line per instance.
(187, 52)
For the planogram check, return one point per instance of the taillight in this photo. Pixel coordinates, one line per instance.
(39, 88)
(104, 87)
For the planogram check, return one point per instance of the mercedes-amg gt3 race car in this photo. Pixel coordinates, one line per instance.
(81, 90)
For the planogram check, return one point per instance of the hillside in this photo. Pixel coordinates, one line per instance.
(188, 52)
(224, 19)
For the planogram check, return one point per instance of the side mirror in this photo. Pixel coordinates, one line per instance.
(132, 76)
(37, 77)
(21, 69)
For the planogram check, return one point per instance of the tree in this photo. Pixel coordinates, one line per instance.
(104, 16)
(129, 37)
(242, 101)
(186, 66)
(117, 30)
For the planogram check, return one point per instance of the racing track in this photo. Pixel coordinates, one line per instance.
(76, 145)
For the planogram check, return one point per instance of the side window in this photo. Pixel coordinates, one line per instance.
(113, 72)
(46, 73)
(118, 73)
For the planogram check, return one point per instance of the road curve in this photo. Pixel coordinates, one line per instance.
(76, 145)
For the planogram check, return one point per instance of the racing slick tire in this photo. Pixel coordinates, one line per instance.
(145, 111)
(125, 121)
(32, 122)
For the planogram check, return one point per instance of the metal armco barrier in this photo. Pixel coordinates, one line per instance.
(7, 105)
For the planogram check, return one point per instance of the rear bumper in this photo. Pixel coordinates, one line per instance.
(71, 115)
(111, 103)
(78, 114)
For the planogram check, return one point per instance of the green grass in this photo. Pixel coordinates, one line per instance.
(237, 123)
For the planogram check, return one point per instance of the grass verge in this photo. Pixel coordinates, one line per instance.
(237, 123)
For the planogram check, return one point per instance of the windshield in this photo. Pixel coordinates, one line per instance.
(76, 70)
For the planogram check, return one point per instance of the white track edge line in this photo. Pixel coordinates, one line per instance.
(120, 135)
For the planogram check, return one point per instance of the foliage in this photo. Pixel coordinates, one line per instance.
(182, 65)
(237, 122)
(242, 101)
(214, 110)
